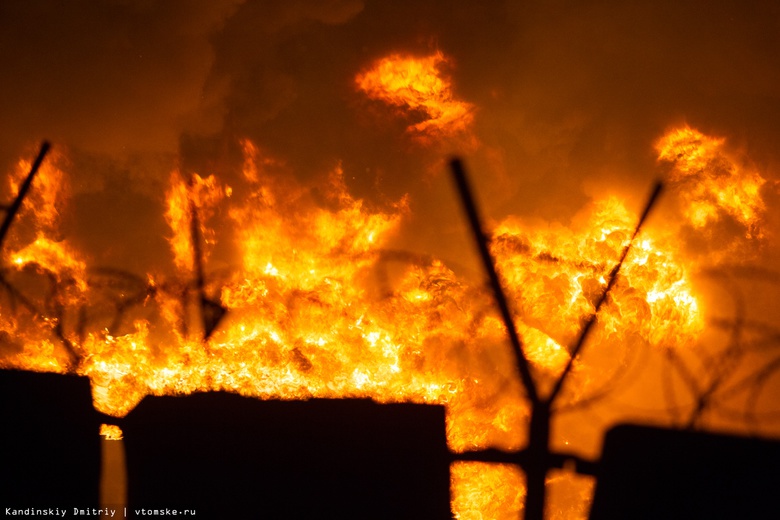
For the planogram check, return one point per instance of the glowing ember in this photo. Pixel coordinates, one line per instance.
(418, 85)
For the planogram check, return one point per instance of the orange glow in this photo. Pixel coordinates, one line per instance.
(52, 257)
(418, 85)
(714, 185)
(308, 317)
(202, 194)
(554, 276)
(111, 432)
(479, 491)
(51, 192)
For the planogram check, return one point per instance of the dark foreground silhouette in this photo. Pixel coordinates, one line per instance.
(651, 473)
(225, 456)
(238, 457)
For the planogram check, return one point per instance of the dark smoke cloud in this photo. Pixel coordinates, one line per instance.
(107, 77)
(570, 97)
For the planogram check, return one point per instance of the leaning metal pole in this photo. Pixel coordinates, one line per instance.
(536, 459)
(575, 351)
(536, 463)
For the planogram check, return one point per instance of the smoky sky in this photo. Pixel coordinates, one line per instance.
(569, 98)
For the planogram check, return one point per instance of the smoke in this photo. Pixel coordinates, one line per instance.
(569, 96)
(108, 77)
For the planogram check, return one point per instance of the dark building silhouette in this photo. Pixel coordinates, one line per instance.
(654, 473)
(241, 458)
(228, 456)
(49, 441)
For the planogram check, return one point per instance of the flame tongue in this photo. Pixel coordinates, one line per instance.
(714, 187)
(417, 85)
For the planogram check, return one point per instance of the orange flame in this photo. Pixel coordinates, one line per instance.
(111, 432)
(47, 201)
(309, 316)
(714, 184)
(555, 275)
(418, 85)
(56, 272)
(200, 194)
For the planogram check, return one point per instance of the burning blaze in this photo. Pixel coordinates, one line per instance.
(56, 258)
(284, 236)
(53, 273)
(39, 225)
(418, 85)
(198, 195)
(46, 202)
(312, 314)
(716, 187)
(555, 275)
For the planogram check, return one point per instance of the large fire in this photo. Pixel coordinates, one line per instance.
(311, 312)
